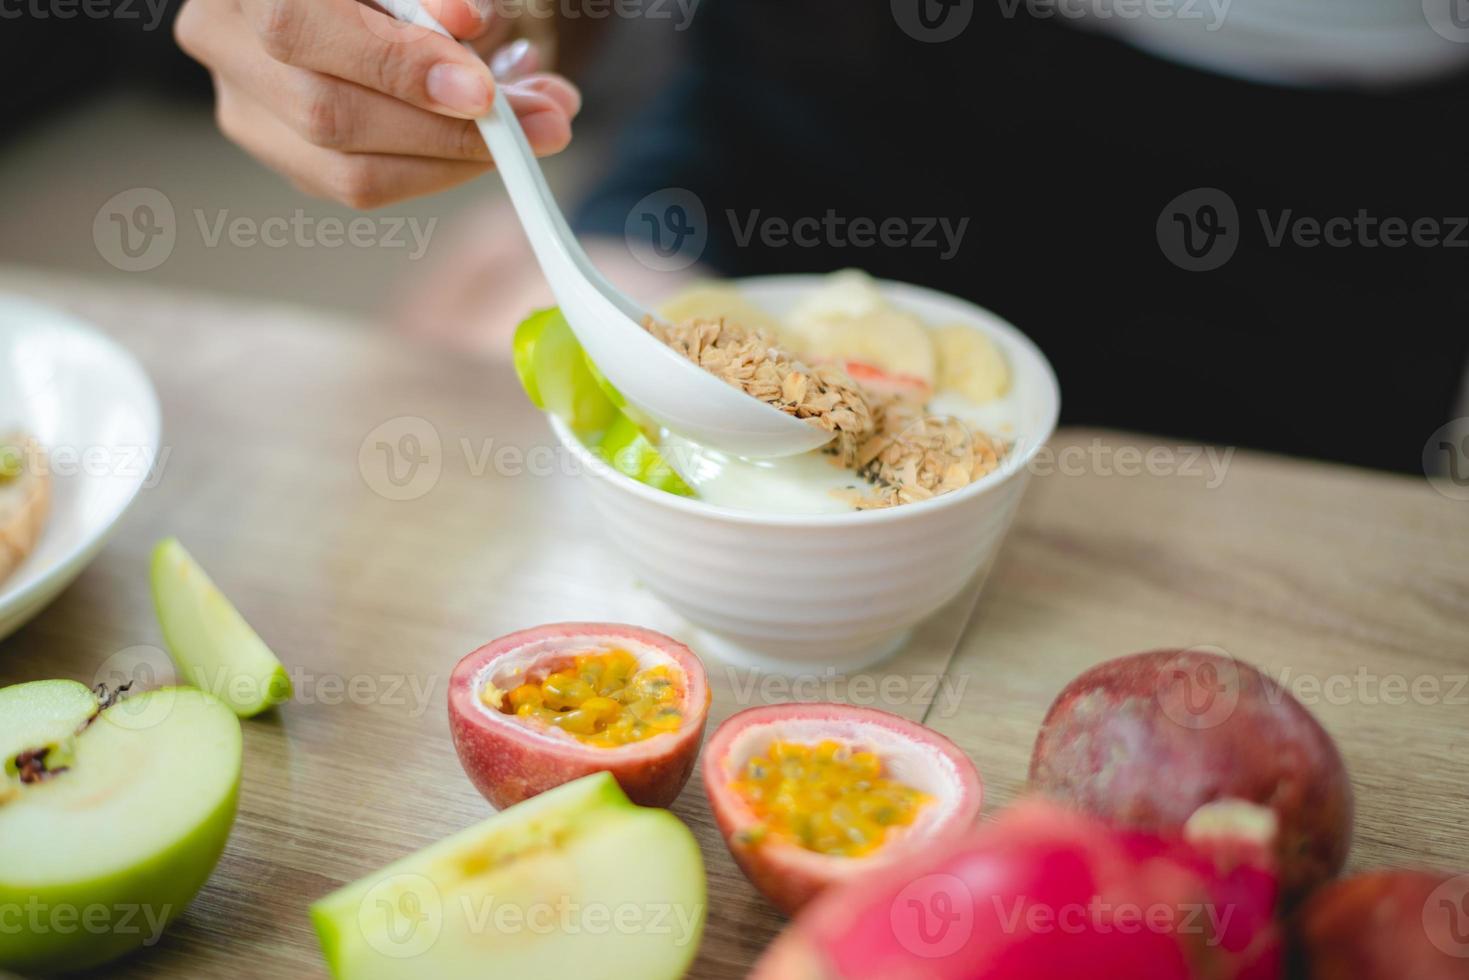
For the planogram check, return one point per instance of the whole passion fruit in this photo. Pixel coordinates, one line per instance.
(541, 707)
(808, 795)
(1384, 925)
(1046, 892)
(1145, 740)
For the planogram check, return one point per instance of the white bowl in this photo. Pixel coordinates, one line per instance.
(841, 591)
(92, 407)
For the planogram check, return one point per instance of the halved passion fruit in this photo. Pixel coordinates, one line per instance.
(541, 707)
(807, 795)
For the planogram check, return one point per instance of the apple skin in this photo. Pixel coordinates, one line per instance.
(159, 884)
(1131, 741)
(1384, 925)
(582, 846)
(212, 645)
(509, 762)
(168, 880)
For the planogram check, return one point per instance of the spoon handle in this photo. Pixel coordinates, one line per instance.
(568, 270)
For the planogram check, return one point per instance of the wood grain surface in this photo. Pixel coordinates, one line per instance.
(1351, 587)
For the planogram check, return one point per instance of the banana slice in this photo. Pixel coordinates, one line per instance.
(970, 364)
(25, 498)
(848, 319)
(707, 300)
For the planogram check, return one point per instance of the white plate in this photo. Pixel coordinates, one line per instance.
(91, 405)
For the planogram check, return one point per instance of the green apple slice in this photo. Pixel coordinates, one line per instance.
(555, 375)
(575, 882)
(559, 378)
(210, 642)
(108, 837)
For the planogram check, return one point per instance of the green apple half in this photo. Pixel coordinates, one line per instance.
(210, 642)
(108, 835)
(575, 882)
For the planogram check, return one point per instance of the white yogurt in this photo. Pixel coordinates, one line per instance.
(810, 483)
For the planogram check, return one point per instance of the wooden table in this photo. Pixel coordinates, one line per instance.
(1315, 572)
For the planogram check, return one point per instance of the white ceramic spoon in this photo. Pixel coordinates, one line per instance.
(670, 389)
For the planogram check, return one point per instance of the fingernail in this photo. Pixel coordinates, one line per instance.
(459, 89)
(508, 58)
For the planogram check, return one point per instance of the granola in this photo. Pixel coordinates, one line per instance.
(887, 437)
(752, 361)
(915, 456)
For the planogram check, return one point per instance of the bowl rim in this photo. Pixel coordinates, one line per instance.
(27, 598)
(972, 314)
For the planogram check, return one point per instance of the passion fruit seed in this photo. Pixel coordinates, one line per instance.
(603, 699)
(827, 797)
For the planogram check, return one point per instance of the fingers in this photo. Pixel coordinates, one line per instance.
(540, 104)
(328, 112)
(468, 20)
(566, 96)
(359, 180)
(355, 43)
(337, 115)
(344, 138)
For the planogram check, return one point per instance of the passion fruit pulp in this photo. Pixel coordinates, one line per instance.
(807, 795)
(543, 706)
(829, 797)
(602, 698)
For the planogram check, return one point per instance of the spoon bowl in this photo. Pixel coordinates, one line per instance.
(669, 389)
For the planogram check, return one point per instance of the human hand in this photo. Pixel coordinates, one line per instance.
(354, 106)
